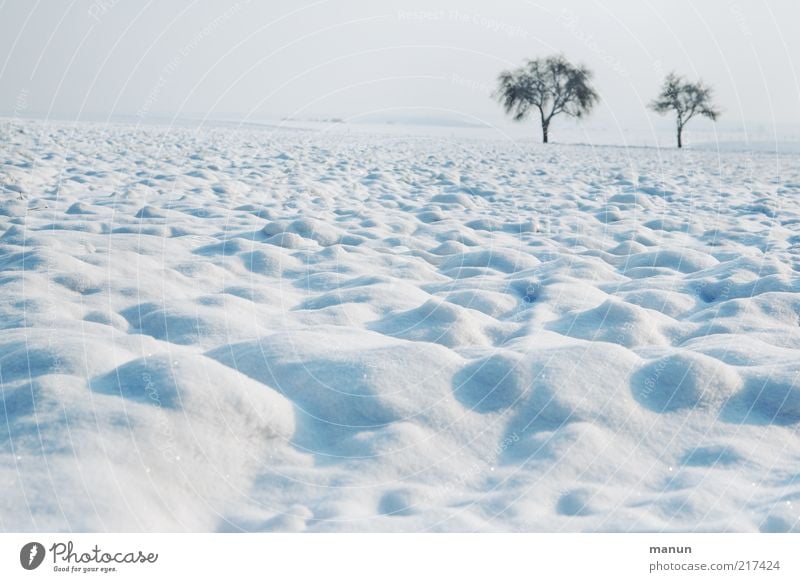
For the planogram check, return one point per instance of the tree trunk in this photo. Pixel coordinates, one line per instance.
(545, 127)
(680, 137)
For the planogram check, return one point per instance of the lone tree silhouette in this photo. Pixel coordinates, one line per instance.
(552, 85)
(686, 99)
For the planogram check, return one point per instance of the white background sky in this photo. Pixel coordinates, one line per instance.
(347, 58)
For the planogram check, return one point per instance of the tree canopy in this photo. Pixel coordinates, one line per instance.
(686, 99)
(550, 85)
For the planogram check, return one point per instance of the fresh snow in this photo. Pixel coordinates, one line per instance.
(227, 329)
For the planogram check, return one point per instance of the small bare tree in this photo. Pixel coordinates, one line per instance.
(686, 99)
(552, 85)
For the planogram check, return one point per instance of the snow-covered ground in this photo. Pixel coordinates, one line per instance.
(225, 329)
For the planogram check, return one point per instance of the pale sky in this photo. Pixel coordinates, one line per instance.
(94, 59)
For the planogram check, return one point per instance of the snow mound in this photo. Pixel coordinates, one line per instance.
(492, 383)
(269, 262)
(307, 228)
(771, 395)
(205, 390)
(578, 383)
(440, 322)
(684, 261)
(191, 323)
(497, 259)
(685, 380)
(367, 382)
(617, 322)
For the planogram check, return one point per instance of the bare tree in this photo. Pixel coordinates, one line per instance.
(552, 85)
(686, 99)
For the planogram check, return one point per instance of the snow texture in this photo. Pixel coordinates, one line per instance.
(226, 329)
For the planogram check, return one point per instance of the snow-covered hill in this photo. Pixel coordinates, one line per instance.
(241, 329)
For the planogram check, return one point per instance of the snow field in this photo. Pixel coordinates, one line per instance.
(227, 329)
